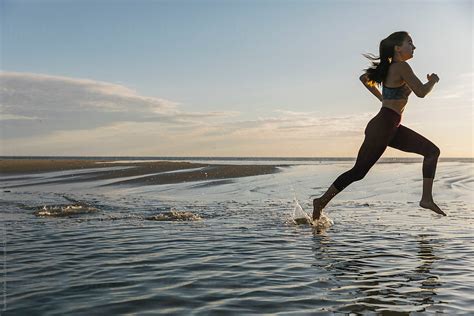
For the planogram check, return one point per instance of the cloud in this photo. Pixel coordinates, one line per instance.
(35, 92)
(50, 115)
(37, 104)
(12, 117)
(459, 89)
(294, 125)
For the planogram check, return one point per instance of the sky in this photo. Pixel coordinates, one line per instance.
(223, 78)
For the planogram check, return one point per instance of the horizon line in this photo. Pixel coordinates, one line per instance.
(215, 157)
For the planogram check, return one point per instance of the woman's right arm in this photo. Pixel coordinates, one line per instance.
(420, 89)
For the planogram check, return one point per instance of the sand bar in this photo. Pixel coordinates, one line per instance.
(207, 172)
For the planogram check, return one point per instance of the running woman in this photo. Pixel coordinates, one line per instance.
(398, 81)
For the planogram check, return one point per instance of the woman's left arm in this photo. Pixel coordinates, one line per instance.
(373, 89)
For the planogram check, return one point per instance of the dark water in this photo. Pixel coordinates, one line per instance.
(383, 255)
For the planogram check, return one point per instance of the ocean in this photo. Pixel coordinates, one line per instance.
(232, 246)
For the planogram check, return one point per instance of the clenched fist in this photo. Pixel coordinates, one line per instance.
(432, 77)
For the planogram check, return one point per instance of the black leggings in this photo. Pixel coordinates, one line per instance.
(385, 130)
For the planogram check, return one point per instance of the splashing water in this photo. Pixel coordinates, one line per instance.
(65, 210)
(174, 215)
(300, 217)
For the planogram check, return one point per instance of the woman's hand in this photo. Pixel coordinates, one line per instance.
(433, 77)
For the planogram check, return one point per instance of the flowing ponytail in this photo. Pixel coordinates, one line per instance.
(378, 71)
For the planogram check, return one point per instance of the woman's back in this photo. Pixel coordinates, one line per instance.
(395, 91)
(394, 78)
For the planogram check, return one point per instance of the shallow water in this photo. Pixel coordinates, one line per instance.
(244, 254)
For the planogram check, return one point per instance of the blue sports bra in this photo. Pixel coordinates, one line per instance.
(401, 92)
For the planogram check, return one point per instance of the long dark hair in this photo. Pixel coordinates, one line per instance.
(378, 71)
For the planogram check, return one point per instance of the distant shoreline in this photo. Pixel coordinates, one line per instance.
(222, 158)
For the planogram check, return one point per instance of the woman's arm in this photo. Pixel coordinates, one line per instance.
(373, 89)
(420, 89)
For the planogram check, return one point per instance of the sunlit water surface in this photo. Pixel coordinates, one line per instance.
(235, 249)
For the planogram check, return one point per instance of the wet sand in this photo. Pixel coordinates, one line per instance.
(10, 167)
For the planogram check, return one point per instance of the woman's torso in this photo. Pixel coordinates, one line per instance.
(396, 96)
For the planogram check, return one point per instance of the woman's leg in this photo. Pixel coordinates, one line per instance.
(410, 141)
(379, 132)
(369, 153)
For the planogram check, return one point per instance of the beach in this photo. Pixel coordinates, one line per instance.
(112, 236)
(142, 173)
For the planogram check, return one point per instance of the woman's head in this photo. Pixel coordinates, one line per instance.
(396, 47)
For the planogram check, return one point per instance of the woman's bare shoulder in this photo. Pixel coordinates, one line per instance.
(394, 77)
(402, 66)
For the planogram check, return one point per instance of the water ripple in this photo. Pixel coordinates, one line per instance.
(243, 257)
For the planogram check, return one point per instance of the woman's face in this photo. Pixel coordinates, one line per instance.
(405, 51)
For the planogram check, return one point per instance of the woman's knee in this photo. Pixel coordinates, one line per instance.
(359, 174)
(433, 152)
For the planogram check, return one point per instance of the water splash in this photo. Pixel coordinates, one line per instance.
(323, 222)
(65, 210)
(174, 215)
(300, 217)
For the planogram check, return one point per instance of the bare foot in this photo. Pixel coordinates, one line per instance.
(432, 206)
(317, 209)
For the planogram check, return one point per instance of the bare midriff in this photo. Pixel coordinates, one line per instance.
(396, 105)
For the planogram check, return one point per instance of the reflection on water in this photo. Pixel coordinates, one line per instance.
(379, 279)
(429, 281)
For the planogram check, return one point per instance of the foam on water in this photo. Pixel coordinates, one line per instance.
(175, 215)
(65, 210)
